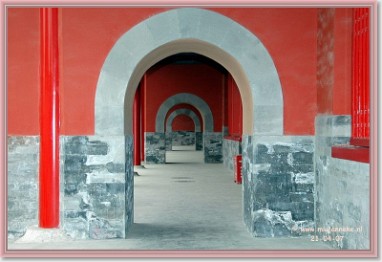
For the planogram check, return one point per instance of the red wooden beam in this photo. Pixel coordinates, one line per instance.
(49, 120)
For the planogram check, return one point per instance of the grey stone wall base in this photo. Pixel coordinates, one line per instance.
(269, 223)
(129, 184)
(198, 141)
(342, 186)
(155, 148)
(213, 147)
(98, 186)
(35, 234)
(278, 181)
(168, 141)
(183, 138)
(22, 184)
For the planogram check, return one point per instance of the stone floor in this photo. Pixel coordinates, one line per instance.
(184, 205)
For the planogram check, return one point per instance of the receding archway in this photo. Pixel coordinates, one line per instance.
(197, 134)
(187, 112)
(184, 98)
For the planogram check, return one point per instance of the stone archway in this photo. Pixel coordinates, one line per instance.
(185, 98)
(156, 143)
(197, 135)
(183, 111)
(198, 31)
(180, 30)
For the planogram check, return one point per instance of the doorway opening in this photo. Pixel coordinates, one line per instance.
(184, 106)
(187, 97)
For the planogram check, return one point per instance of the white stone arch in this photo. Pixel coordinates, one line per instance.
(189, 30)
(184, 98)
(183, 111)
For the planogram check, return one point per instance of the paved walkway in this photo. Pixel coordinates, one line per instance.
(185, 205)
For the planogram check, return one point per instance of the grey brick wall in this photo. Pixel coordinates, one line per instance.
(278, 181)
(183, 138)
(213, 147)
(155, 148)
(198, 141)
(22, 184)
(98, 182)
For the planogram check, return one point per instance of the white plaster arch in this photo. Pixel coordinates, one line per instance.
(189, 30)
(184, 98)
(183, 111)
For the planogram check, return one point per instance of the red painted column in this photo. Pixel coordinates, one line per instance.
(136, 127)
(360, 78)
(49, 120)
(143, 112)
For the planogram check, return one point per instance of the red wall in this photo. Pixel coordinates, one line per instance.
(342, 62)
(334, 61)
(234, 110)
(183, 123)
(23, 43)
(289, 34)
(88, 34)
(199, 79)
(325, 60)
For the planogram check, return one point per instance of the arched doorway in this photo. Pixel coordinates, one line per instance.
(155, 152)
(196, 133)
(187, 112)
(185, 98)
(220, 39)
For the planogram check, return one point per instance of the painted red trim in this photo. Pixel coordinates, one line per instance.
(353, 153)
(49, 120)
